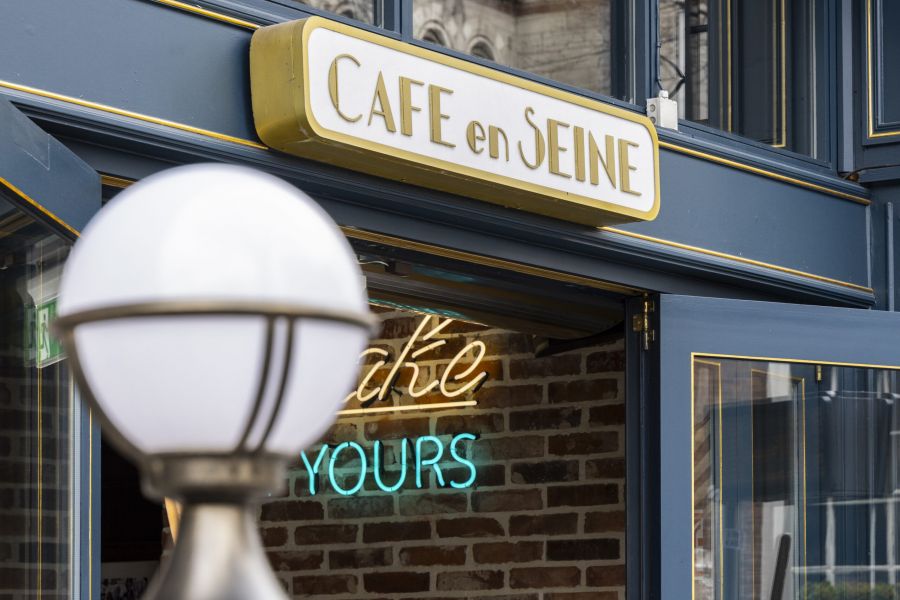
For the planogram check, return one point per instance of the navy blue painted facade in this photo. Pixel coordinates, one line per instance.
(135, 86)
(166, 84)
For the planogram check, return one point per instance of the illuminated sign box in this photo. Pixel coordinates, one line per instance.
(334, 93)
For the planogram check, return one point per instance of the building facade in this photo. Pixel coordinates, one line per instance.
(571, 397)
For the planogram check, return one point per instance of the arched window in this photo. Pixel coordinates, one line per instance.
(434, 36)
(482, 49)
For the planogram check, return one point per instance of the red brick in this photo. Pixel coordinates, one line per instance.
(291, 510)
(583, 390)
(469, 527)
(295, 560)
(428, 556)
(544, 577)
(505, 344)
(507, 552)
(324, 534)
(606, 361)
(470, 580)
(612, 414)
(531, 446)
(446, 351)
(485, 475)
(605, 468)
(478, 424)
(398, 327)
(507, 500)
(360, 507)
(553, 471)
(273, 536)
(575, 550)
(459, 326)
(552, 524)
(603, 522)
(584, 443)
(493, 367)
(546, 418)
(606, 576)
(391, 532)
(340, 432)
(502, 396)
(359, 558)
(396, 582)
(392, 428)
(550, 366)
(308, 585)
(432, 504)
(583, 495)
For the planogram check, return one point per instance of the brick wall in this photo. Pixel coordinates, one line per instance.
(34, 471)
(544, 520)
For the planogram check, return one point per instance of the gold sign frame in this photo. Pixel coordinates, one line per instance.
(284, 119)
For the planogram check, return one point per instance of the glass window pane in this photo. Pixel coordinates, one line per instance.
(580, 43)
(36, 405)
(745, 67)
(796, 481)
(361, 10)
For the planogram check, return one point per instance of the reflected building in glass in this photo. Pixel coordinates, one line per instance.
(795, 481)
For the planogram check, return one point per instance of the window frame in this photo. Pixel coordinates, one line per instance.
(395, 17)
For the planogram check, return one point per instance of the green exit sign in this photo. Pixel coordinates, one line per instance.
(48, 349)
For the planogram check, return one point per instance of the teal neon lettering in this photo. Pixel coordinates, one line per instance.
(431, 462)
(378, 458)
(313, 470)
(455, 454)
(362, 468)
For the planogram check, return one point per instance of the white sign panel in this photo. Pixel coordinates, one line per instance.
(330, 92)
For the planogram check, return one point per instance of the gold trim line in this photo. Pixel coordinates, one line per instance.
(132, 115)
(740, 259)
(516, 267)
(113, 181)
(870, 76)
(462, 255)
(257, 145)
(208, 13)
(487, 261)
(758, 171)
(38, 206)
(801, 361)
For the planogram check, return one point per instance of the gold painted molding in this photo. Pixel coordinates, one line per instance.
(37, 205)
(479, 259)
(870, 80)
(740, 259)
(763, 172)
(668, 145)
(516, 267)
(131, 114)
(208, 13)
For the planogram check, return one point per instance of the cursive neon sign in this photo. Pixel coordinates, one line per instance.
(404, 372)
(423, 454)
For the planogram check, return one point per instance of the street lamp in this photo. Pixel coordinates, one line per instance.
(213, 316)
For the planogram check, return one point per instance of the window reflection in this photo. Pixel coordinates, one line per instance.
(361, 10)
(796, 481)
(579, 42)
(37, 428)
(745, 67)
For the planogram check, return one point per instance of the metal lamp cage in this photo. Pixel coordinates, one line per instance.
(217, 470)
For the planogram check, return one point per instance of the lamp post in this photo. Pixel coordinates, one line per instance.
(213, 316)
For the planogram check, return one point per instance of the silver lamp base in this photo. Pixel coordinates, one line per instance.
(218, 554)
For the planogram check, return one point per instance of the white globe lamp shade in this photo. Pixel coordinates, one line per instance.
(214, 310)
